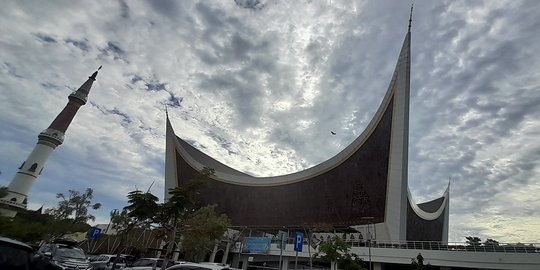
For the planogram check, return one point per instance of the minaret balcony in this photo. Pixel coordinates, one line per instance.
(13, 204)
(80, 96)
(52, 134)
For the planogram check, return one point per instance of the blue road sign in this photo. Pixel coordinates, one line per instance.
(298, 241)
(257, 245)
(94, 233)
(282, 238)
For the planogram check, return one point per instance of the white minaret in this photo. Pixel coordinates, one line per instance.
(48, 140)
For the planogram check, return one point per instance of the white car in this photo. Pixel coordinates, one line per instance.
(200, 266)
(148, 264)
(105, 262)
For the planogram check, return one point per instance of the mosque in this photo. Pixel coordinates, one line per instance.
(365, 184)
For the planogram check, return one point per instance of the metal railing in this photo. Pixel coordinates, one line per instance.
(453, 246)
(447, 246)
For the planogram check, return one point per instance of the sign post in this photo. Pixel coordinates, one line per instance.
(282, 237)
(298, 244)
(94, 233)
(282, 244)
(298, 241)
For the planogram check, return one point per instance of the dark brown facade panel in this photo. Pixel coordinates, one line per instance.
(341, 196)
(431, 206)
(419, 229)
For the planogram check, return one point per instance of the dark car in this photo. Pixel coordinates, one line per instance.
(62, 255)
(15, 255)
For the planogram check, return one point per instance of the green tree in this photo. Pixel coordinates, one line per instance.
(3, 191)
(181, 215)
(338, 251)
(140, 213)
(75, 206)
(142, 208)
(491, 245)
(490, 242)
(32, 226)
(21, 229)
(473, 240)
(201, 230)
(181, 205)
(71, 214)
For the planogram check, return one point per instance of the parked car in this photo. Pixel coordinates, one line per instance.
(15, 255)
(148, 264)
(129, 259)
(200, 266)
(61, 254)
(105, 262)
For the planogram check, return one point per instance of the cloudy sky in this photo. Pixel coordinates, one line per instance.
(259, 85)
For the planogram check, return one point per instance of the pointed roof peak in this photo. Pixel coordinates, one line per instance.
(410, 17)
(93, 77)
(168, 121)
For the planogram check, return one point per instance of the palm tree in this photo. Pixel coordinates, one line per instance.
(473, 240)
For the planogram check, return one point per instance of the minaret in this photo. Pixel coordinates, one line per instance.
(48, 140)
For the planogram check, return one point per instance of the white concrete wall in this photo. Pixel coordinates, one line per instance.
(24, 179)
(443, 258)
(486, 260)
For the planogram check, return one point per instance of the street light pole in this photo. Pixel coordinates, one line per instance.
(369, 251)
(370, 222)
(113, 214)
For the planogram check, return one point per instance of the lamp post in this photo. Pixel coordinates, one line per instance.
(113, 214)
(369, 251)
(370, 222)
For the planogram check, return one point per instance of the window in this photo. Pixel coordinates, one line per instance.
(33, 167)
(45, 248)
(98, 259)
(189, 267)
(143, 262)
(71, 253)
(94, 258)
(119, 260)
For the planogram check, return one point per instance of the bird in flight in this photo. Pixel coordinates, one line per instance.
(333, 133)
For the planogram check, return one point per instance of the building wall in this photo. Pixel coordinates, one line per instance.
(419, 229)
(341, 196)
